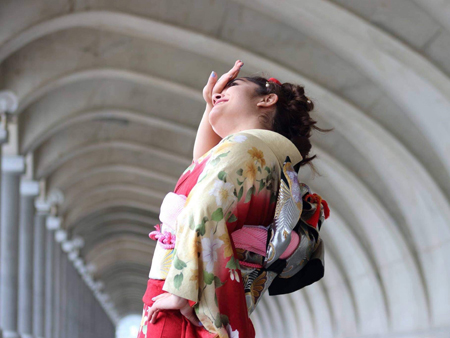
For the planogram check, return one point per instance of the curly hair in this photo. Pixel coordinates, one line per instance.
(292, 117)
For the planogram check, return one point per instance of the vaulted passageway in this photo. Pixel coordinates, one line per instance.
(100, 102)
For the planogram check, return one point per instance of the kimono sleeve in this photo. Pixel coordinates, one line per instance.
(239, 175)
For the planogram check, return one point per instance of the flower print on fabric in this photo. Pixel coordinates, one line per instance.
(237, 185)
(257, 155)
(209, 254)
(144, 321)
(223, 191)
(239, 138)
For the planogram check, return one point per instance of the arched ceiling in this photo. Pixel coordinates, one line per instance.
(110, 100)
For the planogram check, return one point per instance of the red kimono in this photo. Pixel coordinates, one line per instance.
(233, 185)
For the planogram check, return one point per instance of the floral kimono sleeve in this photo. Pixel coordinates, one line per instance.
(239, 178)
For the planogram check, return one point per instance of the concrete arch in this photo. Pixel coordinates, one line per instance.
(121, 169)
(322, 313)
(439, 9)
(111, 217)
(120, 250)
(400, 186)
(111, 190)
(379, 237)
(106, 158)
(114, 232)
(343, 300)
(75, 215)
(138, 118)
(44, 170)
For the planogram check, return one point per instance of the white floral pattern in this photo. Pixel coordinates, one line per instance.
(239, 138)
(209, 251)
(223, 191)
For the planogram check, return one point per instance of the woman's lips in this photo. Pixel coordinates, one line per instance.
(219, 102)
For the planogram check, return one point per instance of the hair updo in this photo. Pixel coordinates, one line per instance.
(292, 116)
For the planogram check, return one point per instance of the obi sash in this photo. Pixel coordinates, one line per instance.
(250, 238)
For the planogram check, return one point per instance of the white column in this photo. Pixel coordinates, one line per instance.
(40, 268)
(57, 253)
(50, 249)
(28, 191)
(52, 223)
(63, 309)
(3, 139)
(12, 168)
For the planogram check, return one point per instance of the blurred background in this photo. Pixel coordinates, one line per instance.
(100, 102)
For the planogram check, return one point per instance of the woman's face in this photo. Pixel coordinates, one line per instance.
(236, 108)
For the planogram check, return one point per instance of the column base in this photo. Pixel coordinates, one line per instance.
(9, 334)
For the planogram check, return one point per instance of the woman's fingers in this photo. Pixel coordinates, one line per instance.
(225, 78)
(207, 90)
(152, 312)
(153, 316)
(193, 319)
(215, 85)
(189, 313)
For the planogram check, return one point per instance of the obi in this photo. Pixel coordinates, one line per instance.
(251, 238)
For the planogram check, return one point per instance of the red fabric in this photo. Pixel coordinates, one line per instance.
(169, 323)
(314, 219)
(231, 298)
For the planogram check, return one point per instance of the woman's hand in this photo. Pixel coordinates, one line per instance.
(215, 85)
(168, 301)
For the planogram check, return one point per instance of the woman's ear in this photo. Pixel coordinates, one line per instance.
(268, 100)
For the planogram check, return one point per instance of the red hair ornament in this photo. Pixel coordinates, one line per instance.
(272, 79)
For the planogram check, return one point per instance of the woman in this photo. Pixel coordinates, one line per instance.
(210, 265)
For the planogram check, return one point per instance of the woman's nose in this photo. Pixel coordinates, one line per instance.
(216, 97)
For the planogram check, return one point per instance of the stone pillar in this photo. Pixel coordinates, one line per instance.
(12, 168)
(40, 268)
(49, 287)
(3, 139)
(60, 287)
(63, 309)
(51, 270)
(56, 289)
(71, 247)
(28, 191)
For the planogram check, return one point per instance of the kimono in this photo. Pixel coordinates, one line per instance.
(237, 224)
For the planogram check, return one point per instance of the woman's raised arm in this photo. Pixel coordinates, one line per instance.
(206, 138)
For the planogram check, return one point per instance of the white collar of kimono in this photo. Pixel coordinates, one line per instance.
(279, 144)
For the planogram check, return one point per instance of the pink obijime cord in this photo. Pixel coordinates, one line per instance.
(165, 238)
(171, 207)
